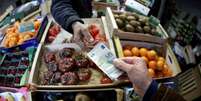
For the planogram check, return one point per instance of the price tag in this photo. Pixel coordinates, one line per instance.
(103, 58)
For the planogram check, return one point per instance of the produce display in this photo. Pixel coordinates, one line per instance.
(13, 68)
(132, 22)
(107, 95)
(15, 36)
(53, 32)
(68, 67)
(157, 66)
(9, 96)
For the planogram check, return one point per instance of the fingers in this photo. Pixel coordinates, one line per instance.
(87, 35)
(76, 36)
(122, 65)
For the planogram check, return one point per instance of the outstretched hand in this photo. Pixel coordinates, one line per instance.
(136, 69)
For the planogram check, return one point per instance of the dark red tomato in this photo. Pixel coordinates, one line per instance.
(52, 32)
(56, 28)
(105, 80)
(94, 32)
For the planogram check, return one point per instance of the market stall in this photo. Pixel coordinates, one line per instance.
(40, 60)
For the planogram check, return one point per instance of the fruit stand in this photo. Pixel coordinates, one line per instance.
(39, 53)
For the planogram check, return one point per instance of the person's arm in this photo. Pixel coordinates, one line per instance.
(64, 13)
(158, 92)
(143, 84)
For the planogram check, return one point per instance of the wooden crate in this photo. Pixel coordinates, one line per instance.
(34, 74)
(101, 5)
(163, 50)
(118, 92)
(115, 31)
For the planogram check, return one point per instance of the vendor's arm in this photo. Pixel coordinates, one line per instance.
(64, 13)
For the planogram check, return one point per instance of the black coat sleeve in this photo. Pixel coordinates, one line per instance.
(64, 14)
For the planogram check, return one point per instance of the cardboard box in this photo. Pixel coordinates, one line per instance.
(115, 31)
(163, 50)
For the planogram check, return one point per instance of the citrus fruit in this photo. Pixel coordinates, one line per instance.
(135, 51)
(143, 52)
(151, 72)
(152, 64)
(127, 53)
(160, 65)
(152, 55)
(161, 59)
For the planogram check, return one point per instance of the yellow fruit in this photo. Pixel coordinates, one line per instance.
(135, 51)
(161, 59)
(143, 52)
(27, 37)
(20, 42)
(11, 43)
(151, 72)
(127, 53)
(152, 55)
(160, 65)
(152, 64)
(145, 59)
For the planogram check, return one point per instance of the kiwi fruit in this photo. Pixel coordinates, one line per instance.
(153, 31)
(129, 18)
(139, 29)
(122, 16)
(116, 16)
(147, 29)
(134, 23)
(129, 28)
(136, 16)
(120, 23)
(142, 21)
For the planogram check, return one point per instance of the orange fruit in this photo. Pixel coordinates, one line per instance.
(135, 51)
(160, 65)
(143, 52)
(129, 47)
(14, 39)
(145, 59)
(27, 37)
(167, 71)
(11, 43)
(152, 64)
(151, 72)
(127, 53)
(20, 42)
(152, 55)
(36, 24)
(161, 59)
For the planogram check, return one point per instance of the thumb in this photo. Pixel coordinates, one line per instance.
(122, 65)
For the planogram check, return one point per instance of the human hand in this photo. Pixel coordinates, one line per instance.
(136, 69)
(81, 33)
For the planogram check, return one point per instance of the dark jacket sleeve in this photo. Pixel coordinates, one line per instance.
(64, 14)
(161, 94)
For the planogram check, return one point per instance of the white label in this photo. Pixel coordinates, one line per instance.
(103, 58)
(137, 6)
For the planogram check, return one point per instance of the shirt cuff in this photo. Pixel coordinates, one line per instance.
(151, 91)
(70, 21)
